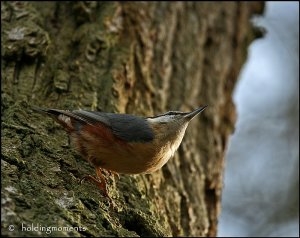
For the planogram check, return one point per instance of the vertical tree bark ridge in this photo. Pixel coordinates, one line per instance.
(141, 58)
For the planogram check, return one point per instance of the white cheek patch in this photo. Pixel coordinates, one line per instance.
(178, 141)
(171, 148)
(65, 119)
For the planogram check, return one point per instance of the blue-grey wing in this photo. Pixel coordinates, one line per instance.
(92, 117)
(126, 127)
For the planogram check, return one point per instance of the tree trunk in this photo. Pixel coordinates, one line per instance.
(136, 57)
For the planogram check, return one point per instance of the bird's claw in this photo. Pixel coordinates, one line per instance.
(101, 184)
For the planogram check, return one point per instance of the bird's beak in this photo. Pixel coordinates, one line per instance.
(191, 115)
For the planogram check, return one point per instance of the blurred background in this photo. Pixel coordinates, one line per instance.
(261, 183)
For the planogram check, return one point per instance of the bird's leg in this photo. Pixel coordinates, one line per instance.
(99, 181)
(102, 179)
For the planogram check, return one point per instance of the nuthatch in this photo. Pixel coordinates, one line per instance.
(123, 143)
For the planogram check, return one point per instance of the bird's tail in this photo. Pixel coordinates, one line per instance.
(62, 117)
(49, 112)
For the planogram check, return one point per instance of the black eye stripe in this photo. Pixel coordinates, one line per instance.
(170, 113)
(173, 113)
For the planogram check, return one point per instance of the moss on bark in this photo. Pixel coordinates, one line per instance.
(140, 58)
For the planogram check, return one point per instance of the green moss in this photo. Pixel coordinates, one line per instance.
(50, 188)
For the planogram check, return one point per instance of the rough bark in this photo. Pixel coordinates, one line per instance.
(140, 58)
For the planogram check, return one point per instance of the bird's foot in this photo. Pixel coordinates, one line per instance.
(100, 184)
(100, 181)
